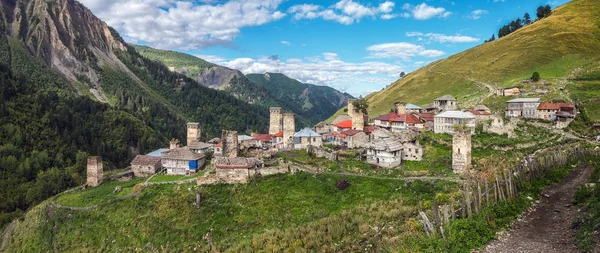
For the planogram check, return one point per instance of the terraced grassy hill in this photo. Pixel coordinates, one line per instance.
(559, 46)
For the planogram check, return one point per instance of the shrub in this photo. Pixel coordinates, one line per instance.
(342, 184)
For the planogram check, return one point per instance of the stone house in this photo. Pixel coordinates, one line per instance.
(444, 122)
(481, 108)
(355, 138)
(247, 141)
(337, 139)
(200, 147)
(235, 169)
(412, 151)
(342, 126)
(445, 103)
(481, 116)
(307, 137)
(411, 108)
(182, 161)
(385, 153)
(563, 119)
(397, 122)
(509, 91)
(264, 140)
(549, 111)
(145, 166)
(427, 120)
(341, 118)
(323, 128)
(277, 140)
(522, 107)
(380, 133)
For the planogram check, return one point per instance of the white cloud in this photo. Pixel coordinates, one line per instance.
(442, 38)
(344, 12)
(330, 56)
(402, 50)
(326, 69)
(285, 42)
(424, 11)
(476, 14)
(210, 58)
(184, 25)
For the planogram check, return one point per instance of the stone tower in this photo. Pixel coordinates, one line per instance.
(276, 121)
(193, 133)
(350, 107)
(230, 143)
(289, 129)
(94, 171)
(461, 149)
(358, 121)
(400, 107)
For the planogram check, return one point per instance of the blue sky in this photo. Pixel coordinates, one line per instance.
(354, 46)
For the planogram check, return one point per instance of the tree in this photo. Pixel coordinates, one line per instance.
(535, 77)
(540, 12)
(402, 74)
(543, 11)
(361, 105)
(491, 39)
(526, 19)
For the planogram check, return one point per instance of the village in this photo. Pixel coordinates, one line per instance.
(383, 142)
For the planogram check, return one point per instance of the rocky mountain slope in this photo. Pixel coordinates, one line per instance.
(71, 87)
(310, 103)
(558, 47)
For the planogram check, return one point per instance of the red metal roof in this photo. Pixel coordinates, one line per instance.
(263, 137)
(351, 132)
(428, 117)
(555, 106)
(344, 124)
(480, 112)
(336, 135)
(280, 134)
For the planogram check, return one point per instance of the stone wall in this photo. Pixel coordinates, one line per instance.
(495, 124)
(276, 120)
(461, 149)
(94, 171)
(233, 175)
(289, 129)
(230, 143)
(144, 170)
(359, 140)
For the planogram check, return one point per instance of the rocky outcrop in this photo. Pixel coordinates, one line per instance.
(66, 35)
(218, 77)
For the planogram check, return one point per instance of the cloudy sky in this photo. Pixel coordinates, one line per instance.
(358, 46)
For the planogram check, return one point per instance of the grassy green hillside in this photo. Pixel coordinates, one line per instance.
(192, 64)
(164, 217)
(555, 46)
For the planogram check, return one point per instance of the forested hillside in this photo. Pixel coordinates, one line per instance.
(310, 103)
(311, 100)
(69, 91)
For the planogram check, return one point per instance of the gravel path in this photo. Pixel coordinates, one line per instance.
(547, 226)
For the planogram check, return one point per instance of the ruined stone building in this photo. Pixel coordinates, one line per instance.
(412, 151)
(95, 171)
(445, 122)
(445, 103)
(229, 140)
(145, 165)
(355, 138)
(247, 141)
(307, 137)
(236, 169)
(385, 153)
(461, 149)
(523, 108)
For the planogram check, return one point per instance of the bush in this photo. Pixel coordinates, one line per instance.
(535, 77)
(342, 184)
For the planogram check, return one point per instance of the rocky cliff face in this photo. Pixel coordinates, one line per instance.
(66, 35)
(218, 77)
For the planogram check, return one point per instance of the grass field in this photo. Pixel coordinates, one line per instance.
(164, 216)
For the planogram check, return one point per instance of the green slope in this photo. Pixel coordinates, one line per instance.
(555, 46)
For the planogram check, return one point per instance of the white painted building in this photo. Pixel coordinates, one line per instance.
(522, 107)
(445, 122)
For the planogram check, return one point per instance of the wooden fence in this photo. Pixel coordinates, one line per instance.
(501, 184)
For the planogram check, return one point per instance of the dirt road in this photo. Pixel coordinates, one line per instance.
(547, 226)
